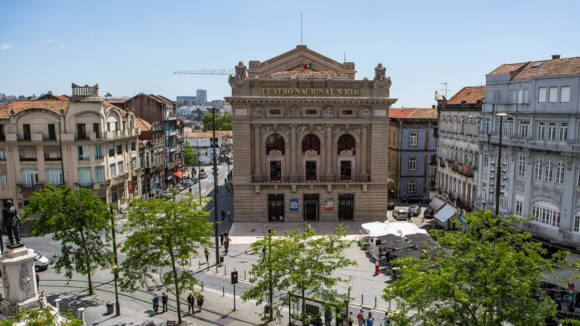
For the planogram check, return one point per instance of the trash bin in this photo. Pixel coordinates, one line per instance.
(110, 306)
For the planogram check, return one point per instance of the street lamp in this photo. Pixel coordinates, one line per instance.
(215, 192)
(61, 158)
(116, 273)
(500, 167)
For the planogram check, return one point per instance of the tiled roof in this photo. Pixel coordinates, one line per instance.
(144, 125)
(203, 134)
(423, 114)
(469, 94)
(400, 113)
(107, 105)
(506, 68)
(19, 106)
(309, 73)
(526, 70)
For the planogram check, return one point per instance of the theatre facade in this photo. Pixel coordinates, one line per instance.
(310, 140)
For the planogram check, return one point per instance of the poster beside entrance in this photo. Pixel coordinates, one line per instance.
(329, 204)
(293, 204)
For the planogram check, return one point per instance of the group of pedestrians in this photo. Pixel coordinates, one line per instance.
(368, 320)
(191, 299)
(229, 214)
(225, 241)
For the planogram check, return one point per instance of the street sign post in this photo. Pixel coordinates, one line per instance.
(234, 282)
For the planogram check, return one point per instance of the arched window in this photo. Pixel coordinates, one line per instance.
(548, 173)
(538, 169)
(560, 168)
(275, 142)
(311, 143)
(346, 142)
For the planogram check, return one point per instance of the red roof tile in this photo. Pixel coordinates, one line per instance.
(469, 94)
(144, 125)
(526, 70)
(400, 113)
(423, 114)
(19, 106)
(506, 68)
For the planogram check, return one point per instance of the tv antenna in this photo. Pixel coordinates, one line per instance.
(445, 89)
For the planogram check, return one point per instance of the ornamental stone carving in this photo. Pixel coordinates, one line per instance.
(380, 80)
(5, 282)
(25, 280)
(356, 129)
(241, 77)
(302, 128)
(365, 113)
(338, 128)
(293, 112)
(320, 128)
(329, 112)
(265, 130)
(258, 112)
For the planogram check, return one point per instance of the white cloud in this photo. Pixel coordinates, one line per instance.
(4, 46)
(62, 45)
(48, 41)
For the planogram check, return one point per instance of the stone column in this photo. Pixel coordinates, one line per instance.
(19, 281)
(293, 154)
(364, 144)
(329, 159)
(257, 161)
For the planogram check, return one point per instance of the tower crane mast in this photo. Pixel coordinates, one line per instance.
(205, 72)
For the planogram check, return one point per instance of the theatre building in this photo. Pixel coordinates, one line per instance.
(310, 139)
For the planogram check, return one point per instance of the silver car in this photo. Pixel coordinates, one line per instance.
(41, 263)
(400, 214)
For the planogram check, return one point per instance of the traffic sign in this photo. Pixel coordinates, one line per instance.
(179, 165)
(572, 286)
(235, 277)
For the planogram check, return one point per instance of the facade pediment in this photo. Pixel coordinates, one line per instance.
(294, 60)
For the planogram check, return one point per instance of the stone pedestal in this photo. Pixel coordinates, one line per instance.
(19, 280)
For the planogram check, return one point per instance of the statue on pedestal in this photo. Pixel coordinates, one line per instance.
(10, 223)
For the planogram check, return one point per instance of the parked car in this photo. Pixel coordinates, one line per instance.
(414, 210)
(400, 214)
(429, 213)
(41, 263)
(202, 175)
(187, 183)
(390, 206)
(412, 199)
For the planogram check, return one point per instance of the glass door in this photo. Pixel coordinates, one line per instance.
(275, 170)
(310, 170)
(345, 171)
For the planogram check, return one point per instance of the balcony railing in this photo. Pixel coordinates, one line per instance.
(81, 136)
(311, 179)
(552, 234)
(47, 157)
(49, 136)
(85, 185)
(30, 186)
(27, 159)
(465, 170)
(2, 137)
(24, 137)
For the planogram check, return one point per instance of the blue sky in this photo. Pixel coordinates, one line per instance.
(129, 47)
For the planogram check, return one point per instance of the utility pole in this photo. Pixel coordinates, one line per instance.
(61, 158)
(116, 273)
(215, 200)
(270, 264)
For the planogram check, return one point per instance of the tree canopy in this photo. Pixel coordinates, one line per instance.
(299, 264)
(81, 223)
(43, 317)
(489, 279)
(164, 234)
(222, 122)
(190, 155)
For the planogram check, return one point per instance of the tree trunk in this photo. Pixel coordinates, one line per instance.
(177, 293)
(303, 307)
(91, 292)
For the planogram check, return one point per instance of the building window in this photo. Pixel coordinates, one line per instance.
(83, 152)
(112, 170)
(563, 131)
(85, 177)
(54, 177)
(538, 169)
(514, 97)
(541, 134)
(2, 156)
(548, 173)
(111, 149)
(311, 143)
(524, 128)
(120, 168)
(274, 111)
(346, 143)
(577, 223)
(521, 165)
(119, 148)
(519, 208)
(132, 144)
(487, 126)
(552, 131)
(542, 95)
(347, 112)
(526, 96)
(275, 142)
(565, 94)
(412, 163)
(553, 95)
(497, 96)
(412, 187)
(98, 152)
(29, 177)
(485, 159)
(546, 216)
(503, 202)
(484, 192)
(413, 139)
(560, 168)
(5, 179)
(99, 174)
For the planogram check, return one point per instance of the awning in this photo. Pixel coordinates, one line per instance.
(445, 213)
(178, 174)
(436, 204)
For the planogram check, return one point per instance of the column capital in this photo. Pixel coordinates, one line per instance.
(329, 126)
(257, 125)
(293, 126)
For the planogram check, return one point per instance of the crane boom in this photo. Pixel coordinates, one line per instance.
(205, 72)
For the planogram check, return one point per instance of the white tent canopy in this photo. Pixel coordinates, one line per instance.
(445, 213)
(404, 228)
(436, 204)
(376, 229)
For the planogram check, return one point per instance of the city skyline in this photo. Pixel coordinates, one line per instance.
(421, 45)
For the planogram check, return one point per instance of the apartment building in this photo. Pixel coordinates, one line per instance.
(151, 158)
(92, 141)
(203, 142)
(540, 146)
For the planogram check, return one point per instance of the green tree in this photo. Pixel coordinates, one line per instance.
(190, 155)
(222, 122)
(302, 264)
(488, 280)
(43, 317)
(164, 234)
(78, 220)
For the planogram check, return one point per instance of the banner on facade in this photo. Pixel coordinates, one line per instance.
(130, 185)
(293, 204)
(329, 204)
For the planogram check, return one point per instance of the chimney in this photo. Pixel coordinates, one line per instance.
(555, 56)
(433, 106)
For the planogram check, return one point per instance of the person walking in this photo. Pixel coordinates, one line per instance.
(223, 215)
(386, 320)
(206, 253)
(370, 319)
(164, 300)
(190, 304)
(37, 281)
(264, 252)
(229, 215)
(155, 302)
(221, 239)
(350, 319)
(227, 245)
(361, 317)
(200, 300)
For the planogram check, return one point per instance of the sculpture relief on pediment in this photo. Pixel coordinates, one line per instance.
(265, 130)
(338, 128)
(329, 112)
(257, 112)
(241, 77)
(365, 113)
(293, 112)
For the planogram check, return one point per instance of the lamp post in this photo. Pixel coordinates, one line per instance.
(61, 158)
(116, 273)
(500, 167)
(270, 264)
(215, 192)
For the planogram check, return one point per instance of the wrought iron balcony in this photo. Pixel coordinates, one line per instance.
(311, 179)
(49, 136)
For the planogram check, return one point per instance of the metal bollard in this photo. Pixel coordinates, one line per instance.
(244, 274)
(223, 291)
(225, 270)
(362, 299)
(375, 302)
(201, 286)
